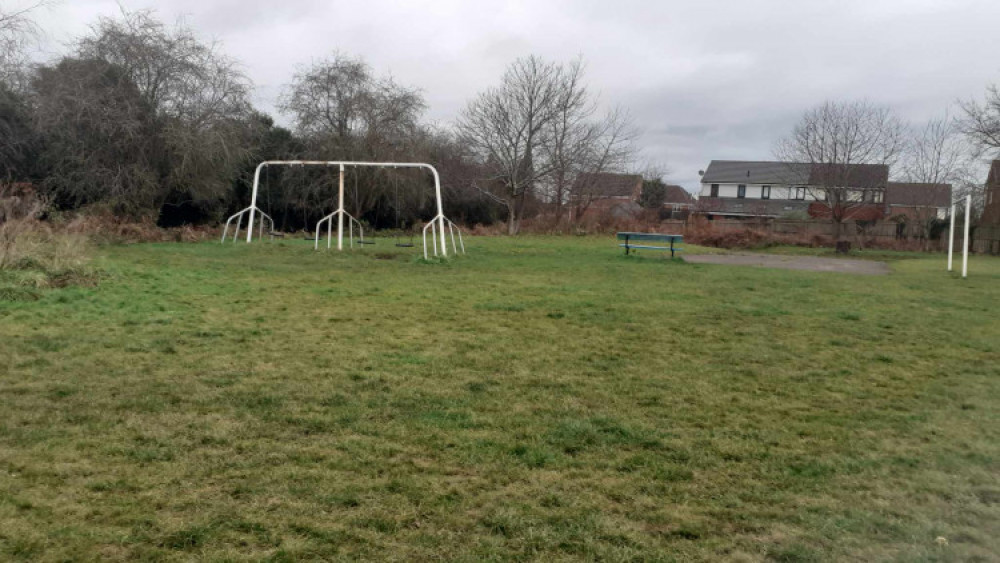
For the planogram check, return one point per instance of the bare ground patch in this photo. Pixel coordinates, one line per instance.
(809, 263)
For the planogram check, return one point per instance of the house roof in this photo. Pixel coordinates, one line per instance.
(677, 194)
(607, 184)
(768, 172)
(849, 175)
(917, 194)
(755, 172)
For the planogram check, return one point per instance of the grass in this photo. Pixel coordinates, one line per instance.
(540, 398)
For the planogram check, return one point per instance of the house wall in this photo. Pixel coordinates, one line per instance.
(991, 207)
(778, 191)
(917, 213)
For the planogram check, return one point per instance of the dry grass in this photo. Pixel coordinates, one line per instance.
(34, 255)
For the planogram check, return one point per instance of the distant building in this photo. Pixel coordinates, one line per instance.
(916, 201)
(991, 201)
(678, 200)
(742, 189)
(618, 194)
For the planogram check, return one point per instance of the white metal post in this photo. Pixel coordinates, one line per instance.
(951, 238)
(965, 242)
(440, 206)
(253, 200)
(340, 211)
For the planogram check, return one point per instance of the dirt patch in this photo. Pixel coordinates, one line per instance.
(809, 263)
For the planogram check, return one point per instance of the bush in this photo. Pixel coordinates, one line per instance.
(33, 255)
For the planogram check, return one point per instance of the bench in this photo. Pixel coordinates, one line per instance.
(632, 238)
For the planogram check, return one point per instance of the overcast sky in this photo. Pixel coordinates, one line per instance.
(704, 79)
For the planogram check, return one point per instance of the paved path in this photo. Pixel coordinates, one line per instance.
(810, 263)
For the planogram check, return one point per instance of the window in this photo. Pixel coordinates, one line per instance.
(877, 196)
(715, 190)
(765, 192)
(741, 190)
(800, 193)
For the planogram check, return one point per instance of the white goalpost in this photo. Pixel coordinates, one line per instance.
(437, 225)
(965, 238)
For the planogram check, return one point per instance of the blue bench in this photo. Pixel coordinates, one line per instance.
(632, 238)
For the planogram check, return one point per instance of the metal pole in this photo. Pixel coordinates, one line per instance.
(340, 211)
(253, 200)
(440, 206)
(965, 242)
(951, 238)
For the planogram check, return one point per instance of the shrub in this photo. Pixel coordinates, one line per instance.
(32, 254)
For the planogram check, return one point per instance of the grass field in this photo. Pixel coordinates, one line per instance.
(540, 398)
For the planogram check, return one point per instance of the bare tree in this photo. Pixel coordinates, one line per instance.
(609, 147)
(848, 147)
(341, 107)
(199, 97)
(100, 138)
(934, 157)
(17, 32)
(507, 125)
(536, 133)
(982, 122)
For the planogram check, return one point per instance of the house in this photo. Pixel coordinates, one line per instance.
(743, 189)
(917, 202)
(991, 198)
(678, 200)
(602, 193)
(619, 195)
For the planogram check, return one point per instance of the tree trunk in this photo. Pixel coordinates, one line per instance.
(512, 218)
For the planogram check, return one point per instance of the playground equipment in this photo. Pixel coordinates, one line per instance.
(438, 225)
(965, 238)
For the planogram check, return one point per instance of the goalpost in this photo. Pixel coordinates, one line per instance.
(965, 238)
(437, 225)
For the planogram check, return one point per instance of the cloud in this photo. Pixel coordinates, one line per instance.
(705, 79)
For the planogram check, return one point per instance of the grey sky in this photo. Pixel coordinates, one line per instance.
(704, 79)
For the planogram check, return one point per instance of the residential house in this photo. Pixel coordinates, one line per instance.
(678, 201)
(991, 201)
(619, 194)
(744, 189)
(917, 201)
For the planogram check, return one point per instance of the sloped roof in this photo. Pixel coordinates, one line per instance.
(917, 194)
(853, 175)
(755, 172)
(677, 194)
(607, 184)
(767, 172)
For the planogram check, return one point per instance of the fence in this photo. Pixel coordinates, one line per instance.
(982, 239)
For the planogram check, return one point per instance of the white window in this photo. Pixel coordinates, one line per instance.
(800, 193)
(765, 192)
(741, 190)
